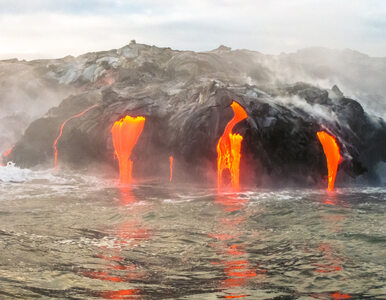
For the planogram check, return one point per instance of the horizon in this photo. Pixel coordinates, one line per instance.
(174, 49)
(42, 29)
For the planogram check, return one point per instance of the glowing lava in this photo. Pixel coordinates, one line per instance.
(55, 146)
(171, 159)
(4, 156)
(125, 135)
(229, 147)
(331, 150)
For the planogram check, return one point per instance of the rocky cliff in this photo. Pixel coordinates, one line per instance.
(185, 97)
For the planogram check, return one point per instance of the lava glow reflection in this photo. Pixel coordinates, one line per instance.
(331, 150)
(125, 135)
(114, 268)
(233, 256)
(229, 148)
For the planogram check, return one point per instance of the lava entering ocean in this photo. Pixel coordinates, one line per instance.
(331, 150)
(229, 148)
(4, 156)
(125, 133)
(171, 159)
(55, 146)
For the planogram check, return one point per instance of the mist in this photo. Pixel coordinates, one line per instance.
(283, 45)
(272, 27)
(184, 149)
(26, 93)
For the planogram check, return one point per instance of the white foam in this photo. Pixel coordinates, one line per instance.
(11, 173)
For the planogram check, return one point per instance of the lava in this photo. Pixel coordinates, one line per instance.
(55, 146)
(171, 159)
(4, 156)
(125, 133)
(229, 148)
(331, 150)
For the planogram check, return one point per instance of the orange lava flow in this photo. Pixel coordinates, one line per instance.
(171, 159)
(125, 135)
(331, 150)
(55, 146)
(229, 148)
(5, 154)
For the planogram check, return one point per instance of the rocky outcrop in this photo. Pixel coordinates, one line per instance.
(186, 97)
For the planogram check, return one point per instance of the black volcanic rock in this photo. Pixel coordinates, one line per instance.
(185, 97)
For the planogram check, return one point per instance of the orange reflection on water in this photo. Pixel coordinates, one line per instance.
(336, 296)
(231, 202)
(127, 196)
(127, 235)
(332, 263)
(331, 198)
(131, 233)
(334, 221)
(235, 250)
(339, 296)
(122, 294)
(235, 296)
(104, 276)
(328, 201)
(221, 236)
(237, 269)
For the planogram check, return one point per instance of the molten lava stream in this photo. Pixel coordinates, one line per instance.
(331, 150)
(4, 156)
(55, 146)
(125, 135)
(171, 159)
(229, 148)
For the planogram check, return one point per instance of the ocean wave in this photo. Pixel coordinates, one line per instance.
(11, 173)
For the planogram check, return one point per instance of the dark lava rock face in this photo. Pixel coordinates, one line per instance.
(185, 98)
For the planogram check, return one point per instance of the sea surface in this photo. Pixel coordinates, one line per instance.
(71, 236)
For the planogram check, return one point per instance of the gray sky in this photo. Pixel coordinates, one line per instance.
(55, 28)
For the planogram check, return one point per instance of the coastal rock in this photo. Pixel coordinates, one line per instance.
(185, 98)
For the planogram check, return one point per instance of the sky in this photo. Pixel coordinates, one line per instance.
(31, 29)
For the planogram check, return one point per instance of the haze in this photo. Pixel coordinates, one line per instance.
(48, 29)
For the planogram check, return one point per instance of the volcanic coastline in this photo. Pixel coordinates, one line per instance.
(186, 99)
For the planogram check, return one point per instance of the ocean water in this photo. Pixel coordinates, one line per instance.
(71, 236)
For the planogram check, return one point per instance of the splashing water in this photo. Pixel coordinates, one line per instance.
(331, 150)
(229, 147)
(91, 239)
(125, 133)
(11, 173)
